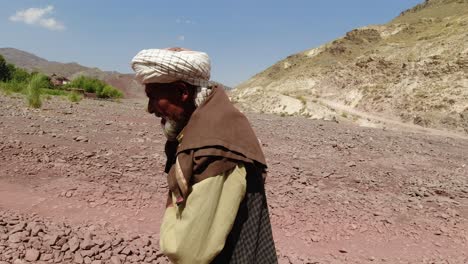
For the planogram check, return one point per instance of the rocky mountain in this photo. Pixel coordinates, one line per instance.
(31, 62)
(411, 70)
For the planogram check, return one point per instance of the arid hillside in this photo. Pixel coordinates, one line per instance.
(411, 70)
(31, 62)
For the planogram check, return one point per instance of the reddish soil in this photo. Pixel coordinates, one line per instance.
(90, 174)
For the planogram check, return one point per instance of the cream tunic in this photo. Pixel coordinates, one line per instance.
(195, 232)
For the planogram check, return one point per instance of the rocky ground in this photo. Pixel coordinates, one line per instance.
(83, 183)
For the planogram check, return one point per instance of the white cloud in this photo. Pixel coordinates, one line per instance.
(38, 16)
(184, 21)
(181, 37)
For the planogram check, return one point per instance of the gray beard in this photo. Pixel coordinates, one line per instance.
(171, 129)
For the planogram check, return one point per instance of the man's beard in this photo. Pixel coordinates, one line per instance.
(171, 128)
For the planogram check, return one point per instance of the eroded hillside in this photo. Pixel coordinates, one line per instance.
(412, 70)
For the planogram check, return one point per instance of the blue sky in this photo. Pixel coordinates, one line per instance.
(241, 37)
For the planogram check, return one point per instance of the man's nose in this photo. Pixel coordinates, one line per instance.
(152, 110)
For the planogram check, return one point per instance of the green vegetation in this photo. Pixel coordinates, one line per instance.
(54, 92)
(92, 85)
(34, 85)
(74, 97)
(13, 87)
(10, 73)
(38, 82)
(4, 70)
(12, 79)
(17, 80)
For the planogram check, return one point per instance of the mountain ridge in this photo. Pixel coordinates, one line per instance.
(410, 70)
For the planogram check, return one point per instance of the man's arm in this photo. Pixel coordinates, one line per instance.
(196, 231)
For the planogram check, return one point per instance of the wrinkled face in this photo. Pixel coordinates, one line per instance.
(173, 103)
(164, 100)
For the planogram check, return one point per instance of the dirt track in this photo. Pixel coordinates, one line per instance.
(90, 174)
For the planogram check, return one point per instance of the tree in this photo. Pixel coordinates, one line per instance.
(5, 73)
(19, 75)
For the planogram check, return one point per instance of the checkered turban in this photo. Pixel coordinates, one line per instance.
(166, 66)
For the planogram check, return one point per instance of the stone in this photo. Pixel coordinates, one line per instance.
(74, 244)
(58, 257)
(67, 256)
(46, 257)
(36, 229)
(105, 255)
(87, 244)
(87, 253)
(81, 139)
(18, 228)
(61, 241)
(16, 237)
(88, 154)
(69, 194)
(65, 247)
(32, 254)
(87, 260)
(50, 240)
(78, 258)
(115, 260)
(144, 241)
(126, 251)
(105, 247)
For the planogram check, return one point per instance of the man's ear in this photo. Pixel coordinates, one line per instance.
(183, 90)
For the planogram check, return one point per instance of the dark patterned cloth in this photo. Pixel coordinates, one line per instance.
(251, 239)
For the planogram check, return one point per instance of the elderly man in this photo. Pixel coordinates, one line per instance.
(217, 210)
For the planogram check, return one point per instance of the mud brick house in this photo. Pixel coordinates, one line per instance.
(56, 80)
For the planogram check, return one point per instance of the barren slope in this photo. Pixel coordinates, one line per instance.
(413, 69)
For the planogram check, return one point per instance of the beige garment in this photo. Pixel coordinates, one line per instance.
(196, 233)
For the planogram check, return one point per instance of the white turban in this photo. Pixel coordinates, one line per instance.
(166, 66)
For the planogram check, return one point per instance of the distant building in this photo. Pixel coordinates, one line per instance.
(58, 80)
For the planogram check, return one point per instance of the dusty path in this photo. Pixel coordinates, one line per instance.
(337, 193)
(385, 121)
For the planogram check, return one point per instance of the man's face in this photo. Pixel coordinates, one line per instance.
(170, 102)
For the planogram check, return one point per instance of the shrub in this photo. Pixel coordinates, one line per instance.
(110, 92)
(14, 87)
(92, 85)
(74, 97)
(38, 82)
(9, 72)
(5, 74)
(20, 75)
(49, 91)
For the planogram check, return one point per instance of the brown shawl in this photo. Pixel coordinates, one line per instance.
(216, 138)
